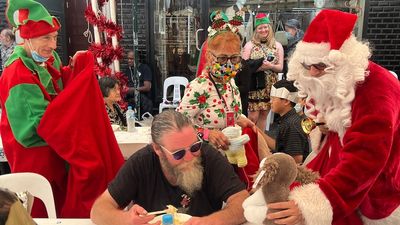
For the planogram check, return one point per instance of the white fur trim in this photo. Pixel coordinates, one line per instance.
(255, 208)
(314, 206)
(314, 50)
(394, 218)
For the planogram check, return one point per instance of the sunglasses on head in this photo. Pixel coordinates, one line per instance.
(180, 153)
(318, 66)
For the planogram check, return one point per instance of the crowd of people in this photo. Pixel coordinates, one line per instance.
(207, 158)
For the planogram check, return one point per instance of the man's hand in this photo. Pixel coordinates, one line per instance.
(289, 213)
(245, 122)
(138, 215)
(73, 59)
(218, 139)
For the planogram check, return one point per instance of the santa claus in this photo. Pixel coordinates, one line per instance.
(359, 101)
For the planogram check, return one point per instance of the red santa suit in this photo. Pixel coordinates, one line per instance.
(360, 181)
(359, 163)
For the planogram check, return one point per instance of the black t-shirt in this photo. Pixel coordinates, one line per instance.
(291, 138)
(142, 181)
(143, 74)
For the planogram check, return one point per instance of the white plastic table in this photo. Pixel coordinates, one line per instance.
(64, 222)
(128, 143)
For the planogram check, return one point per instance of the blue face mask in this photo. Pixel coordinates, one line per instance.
(38, 58)
(289, 36)
(35, 55)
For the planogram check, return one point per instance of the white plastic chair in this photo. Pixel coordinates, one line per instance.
(394, 74)
(176, 81)
(35, 184)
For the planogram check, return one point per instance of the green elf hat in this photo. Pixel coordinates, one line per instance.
(30, 18)
(261, 18)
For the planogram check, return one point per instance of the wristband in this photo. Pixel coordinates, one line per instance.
(203, 133)
(206, 132)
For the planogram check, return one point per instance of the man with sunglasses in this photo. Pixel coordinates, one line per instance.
(359, 161)
(177, 169)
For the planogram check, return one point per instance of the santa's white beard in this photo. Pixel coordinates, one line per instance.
(331, 99)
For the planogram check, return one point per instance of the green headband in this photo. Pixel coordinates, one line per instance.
(264, 20)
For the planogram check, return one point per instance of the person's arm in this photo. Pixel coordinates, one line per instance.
(25, 107)
(270, 141)
(276, 67)
(218, 139)
(146, 86)
(279, 66)
(288, 213)
(247, 50)
(298, 158)
(194, 100)
(105, 211)
(231, 214)
(147, 78)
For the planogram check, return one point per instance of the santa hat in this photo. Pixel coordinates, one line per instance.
(327, 33)
(30, 18)
(261, 18)
(284, 89)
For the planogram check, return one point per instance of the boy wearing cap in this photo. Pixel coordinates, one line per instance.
(290, 138)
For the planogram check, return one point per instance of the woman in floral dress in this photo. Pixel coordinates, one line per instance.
(212, 100)
(263, 45)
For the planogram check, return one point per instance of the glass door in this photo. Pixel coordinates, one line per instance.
(177, 27)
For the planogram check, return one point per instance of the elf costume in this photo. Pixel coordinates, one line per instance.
(38, 118)
(359, 163)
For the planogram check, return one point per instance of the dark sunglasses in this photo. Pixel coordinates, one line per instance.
(223, 59)
(318, 66)
(180, 153)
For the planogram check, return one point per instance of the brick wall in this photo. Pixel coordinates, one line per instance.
(382, 30)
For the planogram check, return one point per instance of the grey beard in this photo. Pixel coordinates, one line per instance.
(189, 179)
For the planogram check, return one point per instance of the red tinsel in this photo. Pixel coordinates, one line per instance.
(103, 23)
(105, 50)
(102, 70)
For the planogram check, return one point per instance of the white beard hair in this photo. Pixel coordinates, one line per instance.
(334, 92)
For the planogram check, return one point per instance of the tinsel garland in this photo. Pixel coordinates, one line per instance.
(105, 50)
(103, 23)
